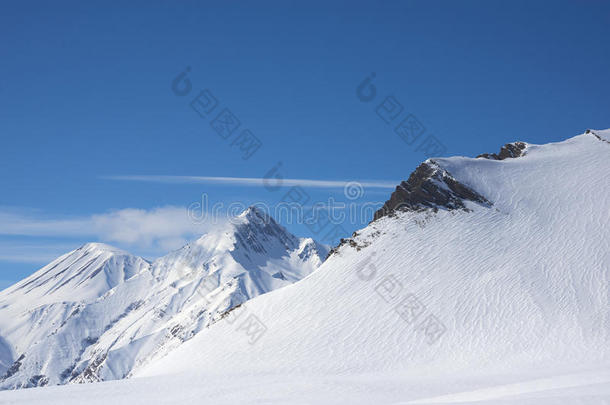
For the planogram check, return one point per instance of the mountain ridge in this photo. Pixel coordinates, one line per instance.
(114, 311)
(505, 299)
(427, 303)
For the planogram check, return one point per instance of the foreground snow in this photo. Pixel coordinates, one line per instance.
(507, 304)
(585, 387)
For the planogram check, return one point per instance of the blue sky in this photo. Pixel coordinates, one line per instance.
(86, 101)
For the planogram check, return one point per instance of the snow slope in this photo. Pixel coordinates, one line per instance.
(97, 313)
(503, 300)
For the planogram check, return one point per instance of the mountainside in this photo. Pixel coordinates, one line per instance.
(482, 280)
(496, 298)
(98, 313)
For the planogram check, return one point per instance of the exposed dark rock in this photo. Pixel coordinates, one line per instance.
(253, 234)
(74, 313)
(510, 150)
(279, 275)
(14, 367)
(38, 381)
(229, 311)
(88, 341)
(132, 307)
(589, 131)
(67, 373)
(354, 242)
(334, 250)
(176, 330)
(429, 187)
(90, 374)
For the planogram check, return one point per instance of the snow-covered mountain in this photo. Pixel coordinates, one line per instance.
(481, 280)
(99, 313)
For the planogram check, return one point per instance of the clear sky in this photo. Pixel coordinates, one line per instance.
(87, 103)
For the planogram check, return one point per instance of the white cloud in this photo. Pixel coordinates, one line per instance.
(165, 226)
(254, 181)
(155, 230)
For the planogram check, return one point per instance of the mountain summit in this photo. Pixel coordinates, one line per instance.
(98, 313)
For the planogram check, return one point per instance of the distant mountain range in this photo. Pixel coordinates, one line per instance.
(98, 313)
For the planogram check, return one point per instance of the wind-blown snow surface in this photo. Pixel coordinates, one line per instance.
(520, 289)
(98, 313)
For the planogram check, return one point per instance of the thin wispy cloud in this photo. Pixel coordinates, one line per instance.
(253, 181)
(156, 230)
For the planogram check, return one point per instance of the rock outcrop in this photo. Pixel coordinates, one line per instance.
(510, 150)
(429, 187)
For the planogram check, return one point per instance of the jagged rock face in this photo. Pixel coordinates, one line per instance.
(510, 150)
(259, 230)
(429, 187)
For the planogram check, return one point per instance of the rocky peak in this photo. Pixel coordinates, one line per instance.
(256, 215)
(429, 187)
(256, 231)
(510, 150)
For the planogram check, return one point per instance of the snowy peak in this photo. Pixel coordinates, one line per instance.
(98, 312)
(256, 215)
(436, 184)
(309, 248)
(249, 231)
(101, 248)
(251, 240)
(257, 233)
(85, 273)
